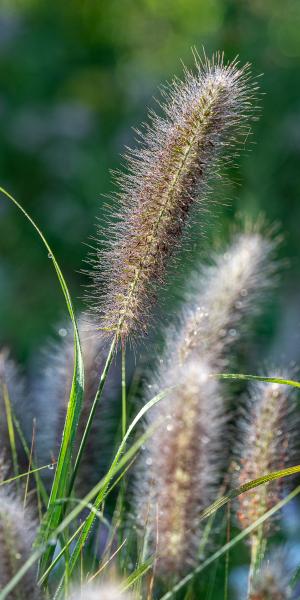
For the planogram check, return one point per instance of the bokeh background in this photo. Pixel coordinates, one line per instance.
(75, 78)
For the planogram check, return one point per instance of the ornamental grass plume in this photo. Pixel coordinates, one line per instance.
(223, 296)
(218, 301)
(267, 442)
(104, 591)
(51, 395)
(181, 467)
(17, 531)
(272, 580)
(166, 175)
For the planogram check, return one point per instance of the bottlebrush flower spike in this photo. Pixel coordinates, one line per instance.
(268, 435)
(105, 591)
(180, 469)
(167, 174)
(51, 395)
(272, 581)
(17, 532)
(222, 296)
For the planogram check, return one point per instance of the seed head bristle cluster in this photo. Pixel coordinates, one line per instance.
(272, 580)
(268, 442)
(51, 396)
(17, 531)
(182, 463)
(167, 174)
(223, 296)
(180, 467)
(104, 591)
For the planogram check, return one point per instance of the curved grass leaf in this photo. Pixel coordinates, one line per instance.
(137, 574)
(63, 471)
(245, 377)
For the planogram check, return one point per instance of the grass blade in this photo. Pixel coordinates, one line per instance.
(244, 377)
(63, 471)
(137, 574)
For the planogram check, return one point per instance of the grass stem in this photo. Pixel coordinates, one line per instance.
(124, 400)
(93, 409)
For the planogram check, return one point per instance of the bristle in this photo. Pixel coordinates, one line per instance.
(267, 432)
(104, 591)
(166, 175)
(223, 296)
(51, 395)
(17, 532)
(272, 580)
(180, 467)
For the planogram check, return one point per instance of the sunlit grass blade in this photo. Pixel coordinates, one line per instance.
(106, 563)
(245, 377)
(137, 574)
(60, 554)
(246, 487)
(63, 471)
(30, 472)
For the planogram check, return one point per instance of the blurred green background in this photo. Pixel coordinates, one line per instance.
(75, 77)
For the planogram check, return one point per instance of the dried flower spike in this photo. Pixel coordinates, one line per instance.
(268, 430)
(16, 537)
(180, 472)
(167, 174)
(223, 296)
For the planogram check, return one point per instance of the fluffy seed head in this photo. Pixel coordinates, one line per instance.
(167, 173)
(105, 591)
(222, 296)
(219, 298)
(272, 581)
(180, 467)
(267, 443)
(16, 537)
